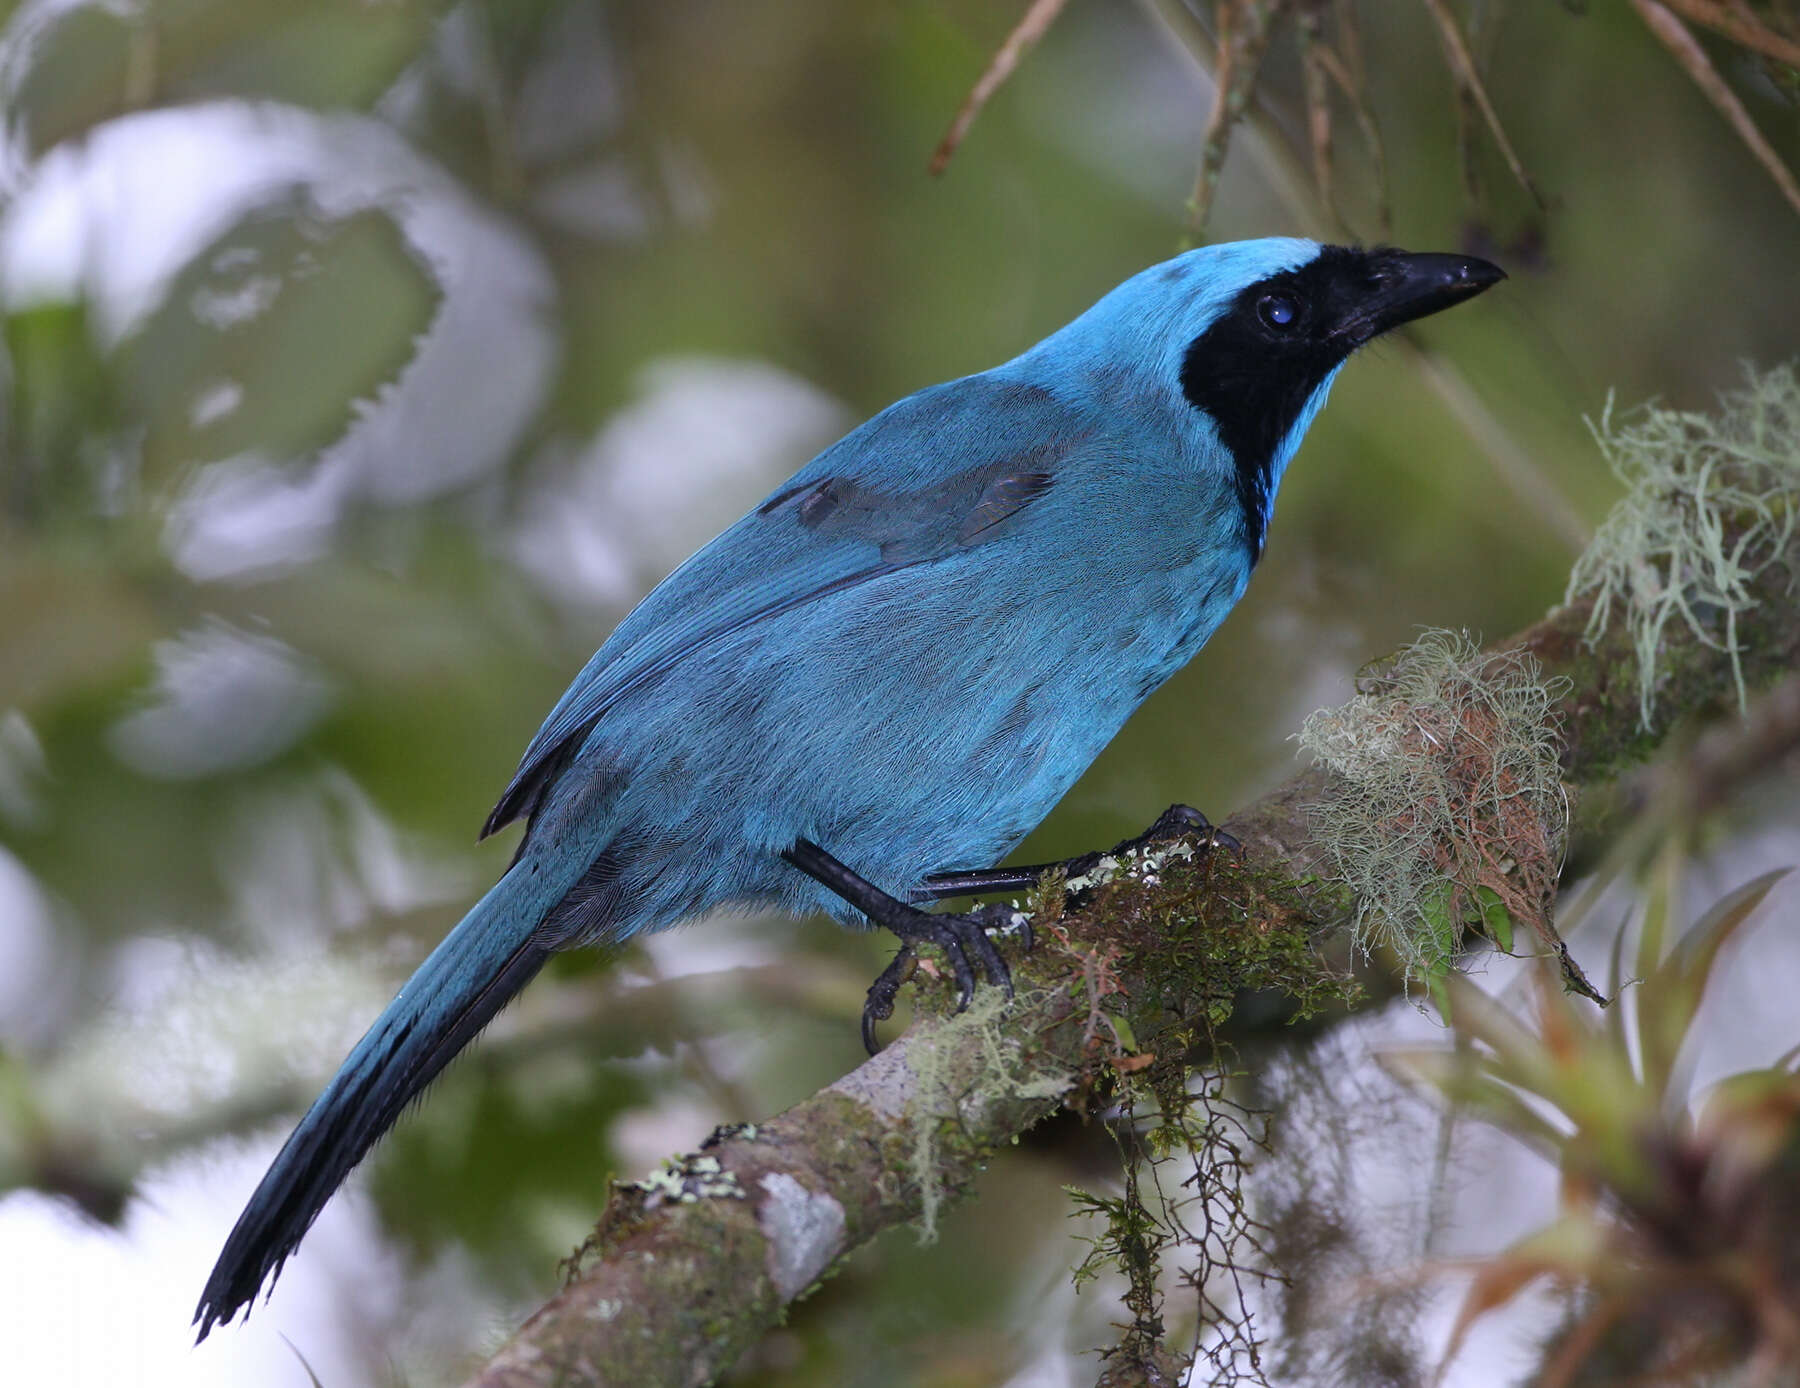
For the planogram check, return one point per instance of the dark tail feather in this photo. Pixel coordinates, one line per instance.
(468, 978)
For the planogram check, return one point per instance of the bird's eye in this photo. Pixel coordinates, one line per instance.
(1278, 311)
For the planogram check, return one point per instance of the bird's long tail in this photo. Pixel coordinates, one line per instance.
(468, 978)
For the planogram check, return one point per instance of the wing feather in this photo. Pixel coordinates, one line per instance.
(938, 472)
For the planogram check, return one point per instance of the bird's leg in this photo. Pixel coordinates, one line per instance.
(1172, 823)
(958, 936)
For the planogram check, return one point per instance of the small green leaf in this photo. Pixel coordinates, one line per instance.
(1496, 922)
(1442, 928)
(1437, 987)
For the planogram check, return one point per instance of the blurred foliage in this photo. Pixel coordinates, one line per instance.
(329, 453)
(1674, 1248)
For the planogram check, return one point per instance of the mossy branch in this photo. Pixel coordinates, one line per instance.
(688, 1269)
(677, 1284)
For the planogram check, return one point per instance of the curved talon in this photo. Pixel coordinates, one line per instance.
(1176, 818)
(1179, 820)
(879, 1005)
(991, 963)
(997, 917)
(950, 940)
(957, 937)
(874, 1013)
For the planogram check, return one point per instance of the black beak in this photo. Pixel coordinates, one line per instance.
(1407, 285)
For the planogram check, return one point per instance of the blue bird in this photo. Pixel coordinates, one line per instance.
(866, 692)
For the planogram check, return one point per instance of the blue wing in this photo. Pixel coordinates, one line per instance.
(933, 475)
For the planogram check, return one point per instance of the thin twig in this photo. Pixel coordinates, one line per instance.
(1468, 77)
(1343, 71)
(1521, 474)
(1741, 27)
(1318, 110)
(1245, 27)
(1028, 31)
(1674, 36)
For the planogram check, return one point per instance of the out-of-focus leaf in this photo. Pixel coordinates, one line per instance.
(269, 338)
(76, 76)
(120, 850)
(1496, 924)
(1570, 1248)
(1439, 992)
(68, 625)
(1671, 996)
(56, 426)
(1519, 1054)
(95, 63)
(1752, 1115)
(1458, 1077)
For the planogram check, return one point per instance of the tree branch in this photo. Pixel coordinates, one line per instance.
(687, 1270)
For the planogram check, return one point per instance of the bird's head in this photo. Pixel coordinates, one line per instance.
(1244, 339)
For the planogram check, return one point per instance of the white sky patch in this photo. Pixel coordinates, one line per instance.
(113, 1307)
(251, 515)
(702, 443)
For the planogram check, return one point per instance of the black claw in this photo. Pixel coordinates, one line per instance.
(995, 916)
(1173, 822)
(952, 946)
(991, 962)
(879, 1005)
(1178, 821)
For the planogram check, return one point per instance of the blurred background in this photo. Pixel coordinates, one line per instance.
(365, 362)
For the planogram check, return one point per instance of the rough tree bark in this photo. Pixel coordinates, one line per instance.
(685, 1272)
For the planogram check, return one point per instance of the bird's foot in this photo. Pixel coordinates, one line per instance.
(1178, 821)
(959, 937)
(1172, 823)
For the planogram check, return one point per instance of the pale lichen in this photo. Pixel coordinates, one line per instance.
(687, 1179)
(805, 1230)
(947, 1059)
(1711, 501)
(1143, 863)
(1445, 804)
